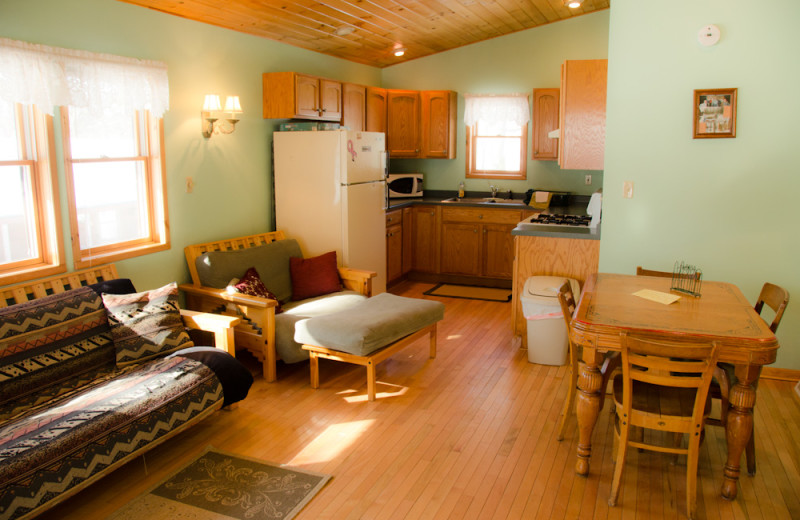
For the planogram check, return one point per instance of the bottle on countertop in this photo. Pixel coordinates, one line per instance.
(461, 190)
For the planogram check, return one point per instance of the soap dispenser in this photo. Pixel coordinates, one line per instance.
(461, 190)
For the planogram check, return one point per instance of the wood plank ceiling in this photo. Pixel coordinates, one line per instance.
(422, 27)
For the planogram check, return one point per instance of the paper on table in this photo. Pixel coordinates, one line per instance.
(541, 196)
(657, 296)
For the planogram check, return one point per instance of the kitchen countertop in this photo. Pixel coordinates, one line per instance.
(577, 206)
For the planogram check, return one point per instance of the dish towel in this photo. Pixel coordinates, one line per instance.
(595, 208)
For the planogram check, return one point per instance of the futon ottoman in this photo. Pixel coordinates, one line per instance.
(369, 332)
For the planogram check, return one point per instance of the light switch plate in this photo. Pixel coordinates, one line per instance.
(627, 189)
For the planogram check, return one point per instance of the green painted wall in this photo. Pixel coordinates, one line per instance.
(232, 192)
(726, 205)
(519, 62)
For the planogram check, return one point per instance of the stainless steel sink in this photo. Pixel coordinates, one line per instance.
(482, 200)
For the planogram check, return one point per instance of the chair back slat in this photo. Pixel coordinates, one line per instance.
(776, 297)
(26, 291)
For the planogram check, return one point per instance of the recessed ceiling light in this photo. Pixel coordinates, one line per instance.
(344, 30)
(400, 51)
(573, 4)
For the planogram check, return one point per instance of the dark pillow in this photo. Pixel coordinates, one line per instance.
(235, 378)
(251, 284)
(146, 325)
(115, 286)
(314, 276)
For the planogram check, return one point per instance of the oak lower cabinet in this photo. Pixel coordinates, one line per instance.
(290, 95)
(394, 245)
(478, 242)
(425, 222)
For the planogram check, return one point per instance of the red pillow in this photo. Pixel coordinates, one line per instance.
(314, 276)
(252, 285)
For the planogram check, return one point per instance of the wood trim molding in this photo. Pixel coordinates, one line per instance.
(780, 374)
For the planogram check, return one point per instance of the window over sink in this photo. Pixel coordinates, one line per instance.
(497, 131)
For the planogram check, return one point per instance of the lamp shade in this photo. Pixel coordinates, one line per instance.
(232, 104)
(211, 103)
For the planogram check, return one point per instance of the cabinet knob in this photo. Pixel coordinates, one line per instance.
(480, 216)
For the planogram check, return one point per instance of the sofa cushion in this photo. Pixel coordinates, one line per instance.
(115, 286)
(235, 378)
(146, 325)
(370, 324)
(288, 349)
(252, 285)
(51, 340)
(216, 268)
(314, 276)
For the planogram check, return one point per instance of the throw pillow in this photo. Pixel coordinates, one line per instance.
(49, 341)
(314, 276)
(146, 325)
(252, 285)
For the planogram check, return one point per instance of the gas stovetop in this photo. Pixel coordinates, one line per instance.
(560, 220)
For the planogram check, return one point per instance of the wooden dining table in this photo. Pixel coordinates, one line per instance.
(609, 306)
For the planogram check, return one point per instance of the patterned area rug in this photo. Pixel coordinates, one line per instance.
(219, 485)
(471, 293)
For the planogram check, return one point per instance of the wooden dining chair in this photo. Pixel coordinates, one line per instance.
(567, 300)
(663, 386)
(776, 298)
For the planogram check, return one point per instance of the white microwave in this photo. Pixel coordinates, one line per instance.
(403, 185)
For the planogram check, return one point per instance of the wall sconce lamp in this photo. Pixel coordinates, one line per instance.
(212, 123)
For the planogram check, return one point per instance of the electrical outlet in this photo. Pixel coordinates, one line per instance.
(587, 180)
(189, 184)
(627, 189)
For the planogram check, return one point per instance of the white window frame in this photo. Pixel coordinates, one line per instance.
(37, 147)
(150, 146)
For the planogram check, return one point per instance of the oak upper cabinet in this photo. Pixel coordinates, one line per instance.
(354, 104)
(425, 232)
(545, 120)
(582, 114)
(402, 132)
(289, 95)
(376, 109)
(438, 121)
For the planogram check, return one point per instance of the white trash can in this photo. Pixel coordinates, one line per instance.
(547, 332)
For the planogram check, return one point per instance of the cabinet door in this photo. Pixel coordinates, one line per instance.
(394, 252)
(461, 248)
(403, 123)
(583, 114)
(426, 238)
(354, 102)
(330, 96)
(438, 120)
(545, 120)
(498, 250)
(307, 96)
(408, 243)
(376, 110)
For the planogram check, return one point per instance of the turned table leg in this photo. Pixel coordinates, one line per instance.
(740, 425)
(589, 397)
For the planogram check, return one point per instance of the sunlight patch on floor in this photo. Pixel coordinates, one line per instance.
(331, 442)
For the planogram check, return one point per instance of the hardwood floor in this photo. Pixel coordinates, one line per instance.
(470, 434)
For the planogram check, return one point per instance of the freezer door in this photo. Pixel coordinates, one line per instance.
(364, 157)
(364, 233)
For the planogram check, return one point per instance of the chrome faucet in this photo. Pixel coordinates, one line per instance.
(494, 191)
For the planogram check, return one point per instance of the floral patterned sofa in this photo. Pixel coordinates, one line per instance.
(90, 379)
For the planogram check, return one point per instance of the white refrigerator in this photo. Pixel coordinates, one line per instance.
(330, 195)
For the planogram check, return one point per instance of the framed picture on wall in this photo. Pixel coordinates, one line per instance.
(715, 113)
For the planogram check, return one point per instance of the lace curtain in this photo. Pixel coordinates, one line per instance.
(496, 108)
(50, 76)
